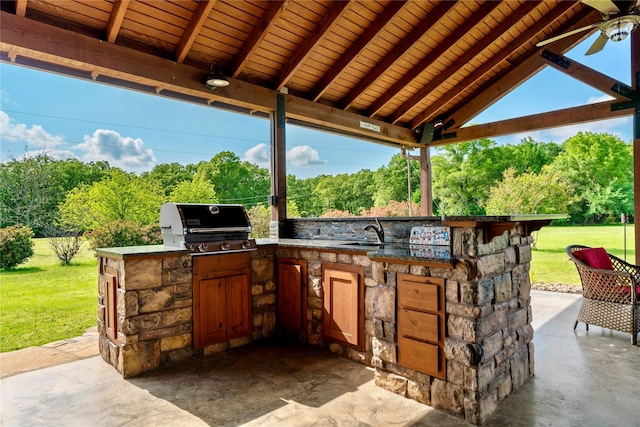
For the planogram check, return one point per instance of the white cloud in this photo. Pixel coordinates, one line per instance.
(303, 155)
(34, 136)
(123, 152)
(258, 155)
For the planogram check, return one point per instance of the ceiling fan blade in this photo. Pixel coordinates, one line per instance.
(567, 34)
(606, 7)
(598, 45)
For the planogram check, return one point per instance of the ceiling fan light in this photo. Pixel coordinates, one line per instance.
(619, 29)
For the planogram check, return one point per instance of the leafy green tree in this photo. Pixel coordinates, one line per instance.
(301, 191)
(169, 175)
(196, 191)
(529, 193)
(346, 192)
(118, 196)
(391, 181)
(236, 181)
(531, 155)
(31, 188)
(463, 174)
(599, 167)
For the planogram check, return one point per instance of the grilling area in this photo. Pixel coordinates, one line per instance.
(345, 320)
(444, 322)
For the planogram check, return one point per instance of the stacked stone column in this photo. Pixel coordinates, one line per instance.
(488, 345)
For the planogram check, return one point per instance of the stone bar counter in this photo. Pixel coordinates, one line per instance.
(449, 328)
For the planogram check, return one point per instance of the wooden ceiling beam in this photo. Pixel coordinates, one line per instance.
(345, 59)
(196, 22)
(21, 7)
(260, 31)
(305, 49)
(426, 114)
(478, 16)
(115, 19)
(73, 52)
(552, 119)
(517, 74)
(405, 44)
(473, 51)
(587, 75)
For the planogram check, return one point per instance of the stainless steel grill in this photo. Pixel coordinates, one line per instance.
(206, 228)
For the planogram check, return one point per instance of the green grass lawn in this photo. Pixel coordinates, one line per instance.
(42, 301)
(550, 263)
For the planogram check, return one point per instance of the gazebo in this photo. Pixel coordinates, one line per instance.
(408, 74)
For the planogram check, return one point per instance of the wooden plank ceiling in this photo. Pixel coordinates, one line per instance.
(373, 69)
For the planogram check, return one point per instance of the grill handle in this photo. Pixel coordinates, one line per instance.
(220, 230)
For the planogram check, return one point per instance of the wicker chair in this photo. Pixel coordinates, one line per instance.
(610, 296)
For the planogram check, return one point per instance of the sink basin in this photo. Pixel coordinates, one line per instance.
(364, 244)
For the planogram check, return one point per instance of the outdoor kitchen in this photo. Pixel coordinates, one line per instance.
(440, 308)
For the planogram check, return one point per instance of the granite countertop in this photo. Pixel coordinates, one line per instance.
(375, 251)
(387, 251)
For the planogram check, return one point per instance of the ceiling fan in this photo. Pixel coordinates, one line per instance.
(619, 20)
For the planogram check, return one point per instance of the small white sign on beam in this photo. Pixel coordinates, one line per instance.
(370, 126)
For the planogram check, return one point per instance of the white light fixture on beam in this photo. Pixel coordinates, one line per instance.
(215, 78)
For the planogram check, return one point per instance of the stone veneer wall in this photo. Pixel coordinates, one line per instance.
(396, 230)
(155, 310)
(488, 346)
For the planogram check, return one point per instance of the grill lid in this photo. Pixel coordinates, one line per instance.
(203, 219)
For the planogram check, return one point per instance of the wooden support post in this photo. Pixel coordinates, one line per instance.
(426, 196)
(278, 198)
(635, 81)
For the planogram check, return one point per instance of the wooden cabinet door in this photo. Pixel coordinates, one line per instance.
(212, 311)
(221, 299)
(343, 299)
(292, 294)
(237, 305)
(110, 278)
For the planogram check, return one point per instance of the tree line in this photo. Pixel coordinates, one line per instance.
(589, 177)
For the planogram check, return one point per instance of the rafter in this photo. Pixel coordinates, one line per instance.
(303, 52)
(424, 63)
(387, 14)
(587, 75)
(469, 80)
(196, 22)
(21, 7)
(473, 51)
(552, 119)
(416, 34)
(260, 31)
(116, 18)
(516, 75)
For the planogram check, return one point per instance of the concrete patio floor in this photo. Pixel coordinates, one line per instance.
(582, 379)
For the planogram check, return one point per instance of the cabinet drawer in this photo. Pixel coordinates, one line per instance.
(421, 296)
(419, 325)
(418, 355)
(220, 262)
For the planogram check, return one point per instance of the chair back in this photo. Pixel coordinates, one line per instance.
(603, 284)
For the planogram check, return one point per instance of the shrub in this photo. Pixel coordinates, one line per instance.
(124, 233)
(16, 246)
(65, 244)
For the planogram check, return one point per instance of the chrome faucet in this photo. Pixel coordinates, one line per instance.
(378, 229)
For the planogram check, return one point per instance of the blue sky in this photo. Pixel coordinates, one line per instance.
(66, 117)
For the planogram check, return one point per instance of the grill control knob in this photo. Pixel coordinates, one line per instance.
(202, 247)
(246, 244)
(225, 246)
